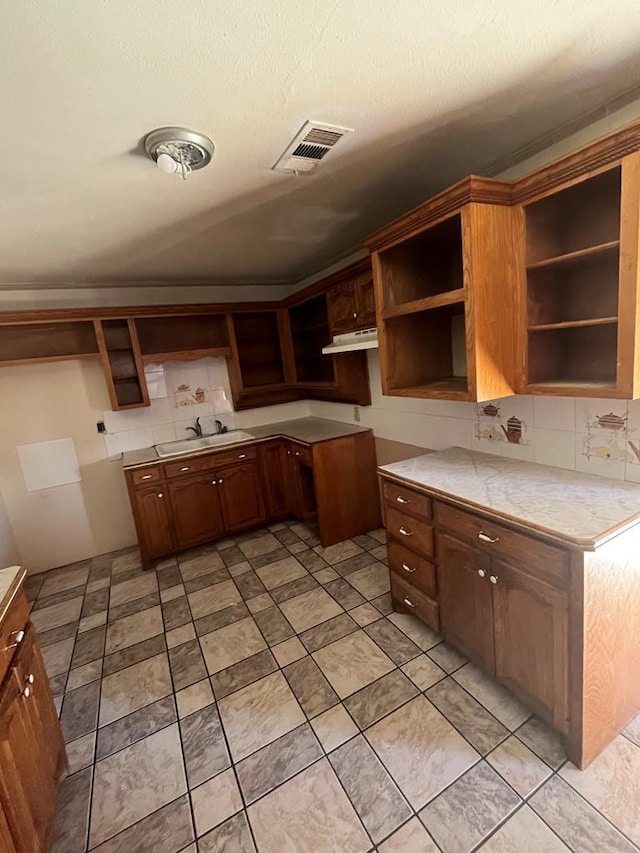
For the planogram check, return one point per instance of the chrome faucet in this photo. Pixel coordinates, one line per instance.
(197, 429)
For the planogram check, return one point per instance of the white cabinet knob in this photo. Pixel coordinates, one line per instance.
(493, 578)
(160, 495)
(482, 573)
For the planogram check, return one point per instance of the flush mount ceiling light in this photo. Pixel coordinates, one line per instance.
(178, 151)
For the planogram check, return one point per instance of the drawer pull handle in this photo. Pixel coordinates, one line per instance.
(405, 532)
(409, 603)
(403, 500)
(482, 573)
(407, 568)
(242, 456)
(483, 536)
(147, 476)
(186, 468)
(298, 453)
(493, 578)
(160, 495)
(19, 635)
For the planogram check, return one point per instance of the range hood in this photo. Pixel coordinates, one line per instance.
(364, 339)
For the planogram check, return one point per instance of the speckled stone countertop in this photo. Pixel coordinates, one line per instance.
(8, 581)
(580, 509)
(307, 430)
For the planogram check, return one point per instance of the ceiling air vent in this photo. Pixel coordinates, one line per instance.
(310, 145)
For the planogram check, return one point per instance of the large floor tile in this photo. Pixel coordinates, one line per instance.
(328, 632)
(58, 614)
(312, 690)
(136, 781)
(352, 662)
(215, 801)
(309, 609)
(471, 718)
(213, 598)
(57, 656)
(339, 552)
(524, 832)
(134, 687)
(421, 749)
(232, 836)
(203, 745)
(521, 768)
(228, 645)
(166, 831)
(416, 630)
(260, 545)
(281, 572)
(495, 698)
(378, 699)
(308, 814)
(411, 838)
(132, 589)
(136, 726)
(72, 817)
(371, 581)
(134, 629)
(242, 673)
(258, 714)
(542, 740)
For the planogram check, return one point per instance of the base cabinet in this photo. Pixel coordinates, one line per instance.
(240, 494)
(195, 510)
(154, 527)
(274, 470)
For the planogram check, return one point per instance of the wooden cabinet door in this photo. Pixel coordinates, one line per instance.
(531, 641)
(292, 481)
(240, 491)
(466, 600)
(195, 507)
(365, 302)
(343, 311)
(273, 460)
(30, 749)
(153, 521)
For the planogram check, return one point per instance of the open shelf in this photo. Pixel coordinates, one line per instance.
(453, 297)
(426, 353)
(39, 342)
(184, 355)
(612, 247)
(259, 352)
(310, 332)
(576, 356)
(584, 216)
(184, 334)
(423, 266)
(575, 324)
(121, 360)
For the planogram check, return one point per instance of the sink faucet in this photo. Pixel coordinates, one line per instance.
(197, 429)
(220, 428)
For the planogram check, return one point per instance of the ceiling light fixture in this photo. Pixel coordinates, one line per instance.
(177, 150)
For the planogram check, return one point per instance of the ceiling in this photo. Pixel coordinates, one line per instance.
(434, 91)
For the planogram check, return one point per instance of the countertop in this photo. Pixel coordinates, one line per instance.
(306, 430)
(9, 581)
(580, 509)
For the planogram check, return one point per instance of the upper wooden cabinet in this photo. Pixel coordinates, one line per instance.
(579, 286)
(122, 363)
(351, 302)
(445, 280)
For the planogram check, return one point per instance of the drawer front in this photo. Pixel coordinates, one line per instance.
(190, 466)
(14, 622)
(406, 499)
(233, 457)
(414, 569)
(411, 532)
(301, 453)
(519, 549)
(145, 475)
(409, 599)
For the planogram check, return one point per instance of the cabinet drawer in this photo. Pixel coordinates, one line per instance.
(406, 499)
(301, 453)
(190, 466)
(519, 549)
(413, 568)
(15, 620)
(409, 599)
(240, 454)
(411, 532)
(145, 475)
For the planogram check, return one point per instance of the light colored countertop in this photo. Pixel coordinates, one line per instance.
(580, 509)
(9, 580)
(306, 430)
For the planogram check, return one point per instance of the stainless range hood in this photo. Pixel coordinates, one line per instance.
(364, 339)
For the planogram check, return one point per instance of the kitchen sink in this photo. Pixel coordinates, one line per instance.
(190, 445)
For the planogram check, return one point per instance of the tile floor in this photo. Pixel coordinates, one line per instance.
(259, 694)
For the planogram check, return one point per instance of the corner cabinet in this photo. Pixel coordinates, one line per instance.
(444, 278)
(351, 301)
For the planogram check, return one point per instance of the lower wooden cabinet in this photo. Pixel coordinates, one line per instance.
(274, 469)
(195, 510)
(31, 751)
(153, 521)
(240, 493)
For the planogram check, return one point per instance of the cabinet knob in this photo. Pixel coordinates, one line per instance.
(147, 476)
(409, 603)
(405, 532)
(30, 679)
(407, 568)
(493, 578)
(19, 637)
(402, 500)
(213, 482)
(242, 456)
(355, 314)
(298, 453)
(220, 481)
(27, 692)
(160, 495)
(483, 536)
(482, 573)
(186, 468)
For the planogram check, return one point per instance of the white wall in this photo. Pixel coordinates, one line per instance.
(9, 555)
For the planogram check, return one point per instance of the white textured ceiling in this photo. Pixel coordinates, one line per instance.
(434, 91)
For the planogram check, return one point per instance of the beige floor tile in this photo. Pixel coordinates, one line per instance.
(134, 687)
(84, 674)
(610, 783)
(201, 565)
(260, 602)
(101, 583)
(524, 832)
(125, 563)
(178, 636)
(495, 698)
(289, 651)
(63, 580)
(132, 589)
(520, 767)
(365, 614)
(423, 672)
(215, 801)
(194, 697)
(281, 572)
(411, 838)
(371, 581)
(173, 592)
(260, 545)
(94, 621)
(308, 814)
(309, 609)
(338, 552)
(421, 749)
(57, 614)
(334, 727)
(228, 645)
(80, 752)
(352, 663)
(136, 781)
(416, 630)
(326, 575)
(134, 629)
(258, 714)
(213, 598)
(57, 656)
(240, 569)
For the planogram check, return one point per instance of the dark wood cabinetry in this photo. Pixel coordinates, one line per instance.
(150, 506)
(194, 510)
(122, 363)
(31, 747)
(274, 467)
(240, 494)
(351, 304)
